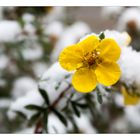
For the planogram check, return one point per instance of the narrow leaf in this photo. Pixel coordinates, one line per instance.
(99, 98)
(81, 105)
(75, 109)
(45, 118)
(34, 107)
(22, 115)
(45, 96)
(60, 116)
(34, 118)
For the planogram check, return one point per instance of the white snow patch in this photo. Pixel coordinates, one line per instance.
(9, 31)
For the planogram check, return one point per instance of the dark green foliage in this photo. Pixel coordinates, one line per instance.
(34, 107)
(102, 36)
(45, 96)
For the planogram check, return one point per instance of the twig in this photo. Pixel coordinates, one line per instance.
(39, 124)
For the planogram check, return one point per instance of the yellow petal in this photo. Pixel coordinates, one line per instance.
(89, 44)
(84, 80)
(70, 58)
(107, 73)
(109, 49)
(129, 99)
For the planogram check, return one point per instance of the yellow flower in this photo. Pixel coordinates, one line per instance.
(130, 98)
(94, 61)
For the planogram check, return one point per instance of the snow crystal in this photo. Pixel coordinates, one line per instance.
(9, 31)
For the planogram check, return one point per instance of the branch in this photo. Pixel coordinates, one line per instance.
(39, 124)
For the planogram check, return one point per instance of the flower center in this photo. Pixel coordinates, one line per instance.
(91, 58)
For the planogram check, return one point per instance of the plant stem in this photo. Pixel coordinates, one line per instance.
(39, 124)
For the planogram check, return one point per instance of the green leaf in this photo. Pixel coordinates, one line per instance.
(75, 109)
(81, 105)
(45, 119)
(60, 116)
(99, 98)
(34, 118)
(45, 96)
(102, 36)
(22, 115)
(34, 107)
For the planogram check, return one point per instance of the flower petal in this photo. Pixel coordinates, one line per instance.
(129, 99)
(84, 80)
(108, 73)
(109, 49)
(89, 44)
(71, 57)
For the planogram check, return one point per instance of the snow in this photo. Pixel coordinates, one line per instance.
(25, 131)
(22, 85)
(31, 97)
(39, 68)
(53, 77)
(55, 125)
(9, 31)
(129, 15)
(29, 29)
(132, 114)
(57, 13)
(84, 124)
(4, 103)
(28, 18)
(120, 125)
(130, 66)
(32, 51)
(122, 38)
(54, 28)
(111, 11)
(70, 36)
(4, 61)
(119, 100)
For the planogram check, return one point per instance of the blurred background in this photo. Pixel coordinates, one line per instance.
(31, 39)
